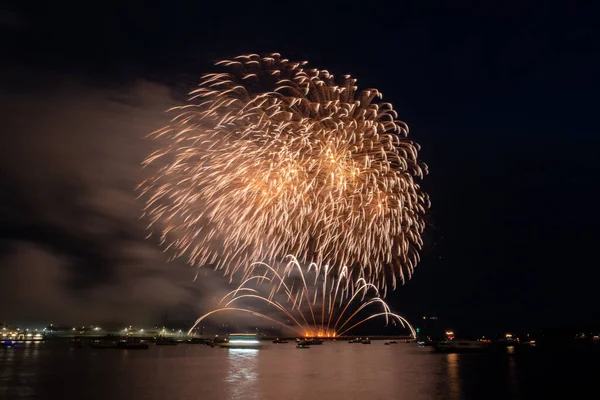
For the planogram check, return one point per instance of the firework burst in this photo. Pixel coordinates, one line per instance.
(312, 301)
(271, 158)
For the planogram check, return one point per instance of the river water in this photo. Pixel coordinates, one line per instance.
(280, 371)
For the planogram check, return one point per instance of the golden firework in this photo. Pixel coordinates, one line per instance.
(271, 157)
(314, 303)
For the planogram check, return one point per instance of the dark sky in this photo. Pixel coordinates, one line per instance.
(502, 98)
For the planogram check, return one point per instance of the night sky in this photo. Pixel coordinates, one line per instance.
(503, 100)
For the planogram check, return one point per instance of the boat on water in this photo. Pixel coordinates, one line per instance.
(280, 341)
(103, 344)
(133, 344)
(107, 342)
(366, 341)
(303, 344)
(315, 341)
(206, 342)
(241, 341)
(355, 340)
(162, 341)
(461, 346)
(218, 340)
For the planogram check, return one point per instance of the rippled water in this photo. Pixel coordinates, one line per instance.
(330, 371)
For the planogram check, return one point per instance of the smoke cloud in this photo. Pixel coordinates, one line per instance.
(72, 246)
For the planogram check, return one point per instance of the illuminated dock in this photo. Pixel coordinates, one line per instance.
(21, 336)
(241, 341)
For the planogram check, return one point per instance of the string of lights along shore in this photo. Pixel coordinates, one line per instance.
(271, 157)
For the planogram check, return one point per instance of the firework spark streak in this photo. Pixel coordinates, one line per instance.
(271, 158)
(316, 308)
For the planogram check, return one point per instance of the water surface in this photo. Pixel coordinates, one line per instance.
(280, 371)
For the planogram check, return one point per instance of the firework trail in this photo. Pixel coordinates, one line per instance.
(315, 303)
(271, 158)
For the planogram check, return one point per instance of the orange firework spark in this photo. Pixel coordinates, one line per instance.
(271, 158)
(316, 308)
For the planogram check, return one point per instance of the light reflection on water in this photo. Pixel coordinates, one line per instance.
(331, 371)
(25, 377)
(512, 371)
(242, 373)
(453, 366)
